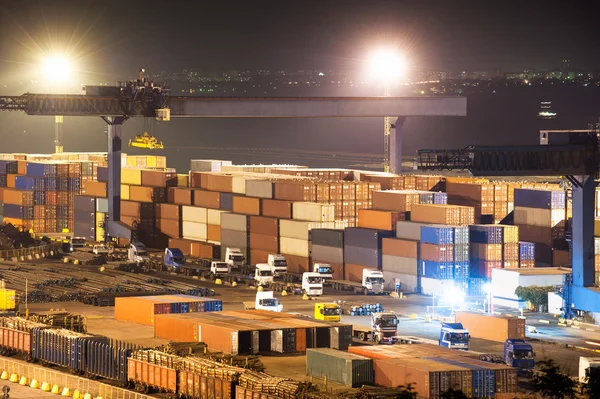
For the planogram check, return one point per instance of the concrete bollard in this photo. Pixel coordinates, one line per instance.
(23, 381)
(76, 262)
(66, 392)
(218, 281)
(37, 256)
(260, 288)
(77, 394)
(284, 293)
(55, 389)
(87, 396)
(65, 260)
(45, 387)
(234, 284)
(34, 384)
(4, 375)
(29, 257)
(14, 377)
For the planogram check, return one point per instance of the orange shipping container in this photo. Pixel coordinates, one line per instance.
(293, 191)
(264, 242)
(488, 252)
(207, 199)
(93, 188)
(130, 208)
(400, 201)
(442, 214)
(168, 211)
(180, 196)
(11, 181)
(213, 233)
(17, 197)
(277, 209)
(159, 178)
(218, 182)
(142, 310)
(354, 272)
(258, 256)
(171, 228)
(437, 253)
(143, 194)
(493, 328)
(382, 220)
(399, 247)
(264, 225)
(246, 205)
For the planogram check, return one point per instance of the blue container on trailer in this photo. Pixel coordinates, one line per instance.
(226, 201)
(440, 198)
(437, 235)
(541, 199)
(486, 234)
(437, 270)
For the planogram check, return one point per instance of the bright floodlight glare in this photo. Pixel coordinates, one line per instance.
(57, 68)
(487, 288)
(388, 65)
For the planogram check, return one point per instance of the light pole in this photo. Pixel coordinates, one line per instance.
(387, 66)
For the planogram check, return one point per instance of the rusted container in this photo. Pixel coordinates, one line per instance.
(159, 178)
(207, 199)
(180, 196)
(93, 188)
(130, 208)
(381, 220)
(213, 233)
(168, 211)
(277, 209)
(493, 328)
(295, 191)
(194, 385)
(19, 341)
(354, 272)
(147, 194)
(264, 225)
(258, 256)
(437, 253)
(158, 377)
(246, 205)
(171, 228)
(400, 247)
(265, 242)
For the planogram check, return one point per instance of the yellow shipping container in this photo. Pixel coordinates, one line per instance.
(124, 192)
(183, 180)
(99, 234)
(7, 299)
(131, 176)
(100, 216)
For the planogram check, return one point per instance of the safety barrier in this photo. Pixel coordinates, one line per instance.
(29, 253)
(49, 380)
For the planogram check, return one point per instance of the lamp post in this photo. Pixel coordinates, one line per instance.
(388, 67)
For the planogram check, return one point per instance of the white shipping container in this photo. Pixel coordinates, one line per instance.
(207, 165)
(234, 221)
(259, 188)
(214, 216)
(293, 246)
(313, 212)
(408, 282)
(586, 363)
(539, 217)
(238, 185)
(399, 264)
(299, 229)
(409, 230)
(194, 214)
(194, 231)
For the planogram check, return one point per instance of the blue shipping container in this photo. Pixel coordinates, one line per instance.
(365, 238)
(526, 250)
(438, 235)
(486, 234)
(461, 271)
(426, 198)
(18, 211)
(437, 270)
(29, 183)
(542, 199)
(226, 201)
(35, 169)
(50, 183)
(440, 198)
(74, 184)
(3, 164)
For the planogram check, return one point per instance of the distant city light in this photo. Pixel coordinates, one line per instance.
(57, 68)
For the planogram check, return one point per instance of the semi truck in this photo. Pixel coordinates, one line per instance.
(328, 312)
(312, 284)
(137, 253)
(263, 275)
(382, 330)
(371, 283)
(519, 354)
(264, 301)
(454, 336)
(278, 264)
(325, 270)
(173, 259)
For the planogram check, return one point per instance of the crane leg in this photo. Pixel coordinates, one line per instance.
(395, 145)
(114, 228)
(583, 231)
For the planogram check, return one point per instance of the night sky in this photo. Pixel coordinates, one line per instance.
(111, 40)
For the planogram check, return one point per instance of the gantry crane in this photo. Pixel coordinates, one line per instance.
(573, 154)
(143, 98)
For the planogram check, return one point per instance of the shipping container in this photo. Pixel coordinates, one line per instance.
(399, 201)
(235, 222)
(180, 196)
(365, 238)
(259, 188)
(264, 242)
(142, 310)
(443, 214)
(295, 191)
(234, 239)
(131, 176)
(168, 211)
(294, 246)
(328, 237)
(486, 234)
(214, 216)
(341, 367)
(383, 220)
(539, 217)
(194, 231)
(493, 328)
(300, 229)
(327, 254)
(194, 214)
(276, 208)
(195, 385)
(542, 199)
(439, 235)
(313, 212)
(487, 252)
(353, 272)
(207, 199)
(147, 194)
(399, 264)
(437, 253)
(246, 205)
(264, 225)
(409, 230)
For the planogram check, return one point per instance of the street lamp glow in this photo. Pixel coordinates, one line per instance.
(487, 288)
(388, 65)
(57, 68)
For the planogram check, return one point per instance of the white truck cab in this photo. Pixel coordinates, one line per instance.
(278, 264)
(137, 252)
(325, 270)
(234, 258)
(101, 249)
(312, 284)
(218, 268)
(266, 301)
(373, 281)
(263, 275)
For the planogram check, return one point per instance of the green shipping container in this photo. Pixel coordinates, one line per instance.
(341, 367)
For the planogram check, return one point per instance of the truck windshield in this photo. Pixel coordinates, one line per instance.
(236, 258)
(221, 265)
(269, 302)
(332, 311)
(280, 263)
(458, 338)
(388, 322)
(142, 252)
(522, 354)
(265, 273)
(314, 280)
(325, 270)
(375, 280)
(179, 259)
(78, 241)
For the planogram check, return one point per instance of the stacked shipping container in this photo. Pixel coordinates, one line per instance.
(328, 247)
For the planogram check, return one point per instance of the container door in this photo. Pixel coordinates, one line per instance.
(255, 341)
(234, 343)
(277, 341)
(334, 336)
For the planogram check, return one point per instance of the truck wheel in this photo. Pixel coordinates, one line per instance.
(362, 336)
(365, 291)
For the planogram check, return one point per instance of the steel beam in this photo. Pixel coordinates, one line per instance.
(395, 147)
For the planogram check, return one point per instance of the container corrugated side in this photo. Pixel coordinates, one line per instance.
(399, 264)
(300, 229)
(409, 230)
(193, 214)
(328, 237)
(313, 212)
(194, 231)
(233, 239)
(234, 221)
(294, 246)
(400, 247)
(327, 254)
(259, 188)
(493, 328)
(193, 385)
(408, 282)
(342, 367)
(214, 216)
(365, 238)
